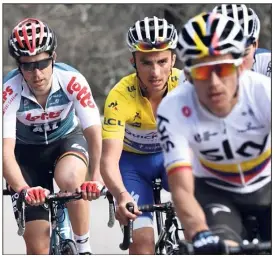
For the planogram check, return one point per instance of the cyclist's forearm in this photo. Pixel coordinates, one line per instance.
(188, 209)
(12, 173)
(111, 176)
(94, 140)
(189, 212)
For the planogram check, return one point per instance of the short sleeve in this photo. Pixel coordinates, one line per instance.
(172, 137)
(115, 116)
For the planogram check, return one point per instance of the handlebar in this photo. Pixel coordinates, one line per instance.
(128, 229)
(250, 248)
(61, 198)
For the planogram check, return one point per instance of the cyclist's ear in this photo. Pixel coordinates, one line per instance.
(173, 59)
(133, 62)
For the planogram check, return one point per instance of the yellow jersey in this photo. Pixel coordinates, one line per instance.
(128, 115)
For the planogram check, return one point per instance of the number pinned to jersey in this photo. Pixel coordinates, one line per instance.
(186, 111)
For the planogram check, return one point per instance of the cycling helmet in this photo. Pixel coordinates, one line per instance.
(152, 31)
(31, 37)
(245, 16)
(209, 34)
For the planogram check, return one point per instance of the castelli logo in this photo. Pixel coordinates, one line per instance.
(186, 111)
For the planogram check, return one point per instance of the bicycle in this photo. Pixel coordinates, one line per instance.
(61, 239)
(169, 233)
(243, 248)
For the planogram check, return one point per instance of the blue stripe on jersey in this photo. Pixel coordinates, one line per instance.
(66, 67)
(261, 51)
(27, 105)
(11, 74)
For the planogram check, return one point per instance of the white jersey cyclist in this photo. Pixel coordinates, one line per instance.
(234, 151)
(27, 121)
(262, 62)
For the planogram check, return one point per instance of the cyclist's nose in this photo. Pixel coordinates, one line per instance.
(155, 70)
(214, 79)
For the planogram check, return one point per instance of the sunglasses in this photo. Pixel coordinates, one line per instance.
(40, 65)
(148, 46)
(223, 69)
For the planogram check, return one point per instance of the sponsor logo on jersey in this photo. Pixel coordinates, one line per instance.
(131, 89)
(166, 143)
(268, 70)
(137, 116)
(8, 91)
(83, 93)
(8, 98)
(136, 124)
(186, 111)
(150, 135)
(174, 78)
(225, 152)
(43, 116)
(215, 207)
(113, 122)
(113, 105)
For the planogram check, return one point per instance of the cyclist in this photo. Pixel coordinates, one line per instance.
(131, 154)
(256, 59)
(223, 113)
(41, 133)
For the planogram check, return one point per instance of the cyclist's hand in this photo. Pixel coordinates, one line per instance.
(122, 214)
(205, 242)
(36, 195)
(90, 190)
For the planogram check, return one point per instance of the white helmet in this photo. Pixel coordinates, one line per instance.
(245, 16)
(210, 34)
(152, 32)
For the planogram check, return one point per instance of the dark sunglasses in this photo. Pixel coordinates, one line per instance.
(40, 65)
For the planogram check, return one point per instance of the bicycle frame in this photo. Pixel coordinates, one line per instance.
(169, 221)
(157, 199)
(61, 227)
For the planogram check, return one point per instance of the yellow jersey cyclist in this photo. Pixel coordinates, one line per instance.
(131, 155)
(41, 132)
(223, 113)
(256, 59)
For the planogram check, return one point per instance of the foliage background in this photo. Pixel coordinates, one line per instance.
(91, 37)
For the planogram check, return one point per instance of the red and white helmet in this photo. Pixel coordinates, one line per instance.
(31, 37)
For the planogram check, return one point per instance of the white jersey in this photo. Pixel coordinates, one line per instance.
(234, 152)
(27, 121)
(262, 62)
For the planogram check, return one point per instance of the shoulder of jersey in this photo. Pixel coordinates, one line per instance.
(13, 81)
(12, 75)
(174, 78)
(126, 85)
(251, 79)
(178, 96)
(261, 51)
(67, 72)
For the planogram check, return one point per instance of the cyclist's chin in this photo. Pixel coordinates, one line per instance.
(40, 87)
(220, 109)
(156, 87)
